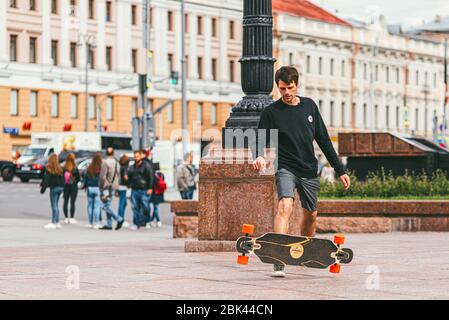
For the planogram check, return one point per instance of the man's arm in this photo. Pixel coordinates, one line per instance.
(324, 142)
(103, 174)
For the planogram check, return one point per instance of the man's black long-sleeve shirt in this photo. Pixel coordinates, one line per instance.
(140, 177)
(297, 127)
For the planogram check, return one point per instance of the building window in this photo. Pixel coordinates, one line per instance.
(55, 105)
(33, 103)
(74, 106)
(108, 11)
(92, 58)
(425, 119)
(200, 25)
(376, 116)
(214, 27)
(186, 20)
(13, 47)
(170, 20)
(14, 103)
(308, 64)
(213, 114)
(171, 65)
(33, 50)
(91, 9)
(343, 114)
(134, 15)
(54, 52)
(387, 75)
(170, 113)
(332, 67)
(73, 54)
(73, 8)
(214, 69)
(92, 107)
(13, 4)
(54, 6)
(397, 117)
(365, 115)
(365, 74)
(320, 106)
(397, 75)
(435, 80)
(109, 109)
(290, 58)
(200, 68)
(332, 114)
(231, 30)
(231, 71)
(109, 58)
(343, 69)
(426, 77)
(320, 65)
(416, 119)
(199, 113)
(32, 5)
(134, 60)
(376, 73)
(387, 116)
(417, 77)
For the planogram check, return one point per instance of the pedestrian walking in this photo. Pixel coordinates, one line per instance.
(109, 184)
(299, 123)
(71, 179)
(53, 179)
(147, 214)
(123, 187)
(185, 177)
(140, 179)
(92, 186)
(157, 197)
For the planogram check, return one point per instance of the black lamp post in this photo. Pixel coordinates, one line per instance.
(257, 65)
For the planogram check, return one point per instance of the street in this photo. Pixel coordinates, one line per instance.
(23, 201)
(79, 263)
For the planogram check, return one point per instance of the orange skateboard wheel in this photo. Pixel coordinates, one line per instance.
(335, 268)
(248, 229)
(339, 239)
(242, 259)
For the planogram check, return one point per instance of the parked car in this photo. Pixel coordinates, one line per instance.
(33, 169)
(7, 170)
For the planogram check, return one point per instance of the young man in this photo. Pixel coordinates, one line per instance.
(298, 122)
(140, 178)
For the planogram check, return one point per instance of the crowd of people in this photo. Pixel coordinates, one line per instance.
(108, 177)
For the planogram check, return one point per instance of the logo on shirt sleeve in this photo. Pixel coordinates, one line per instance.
(310, 119)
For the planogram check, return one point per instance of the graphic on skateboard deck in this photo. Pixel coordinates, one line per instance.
(277, 248)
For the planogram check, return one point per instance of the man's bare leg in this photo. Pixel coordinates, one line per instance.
(282, 218)
(308, 223)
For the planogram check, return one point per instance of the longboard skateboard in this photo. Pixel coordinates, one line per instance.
(284, 249)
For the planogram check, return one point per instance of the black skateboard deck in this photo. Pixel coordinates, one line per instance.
(284, 249)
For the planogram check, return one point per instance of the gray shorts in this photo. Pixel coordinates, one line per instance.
(308, 189)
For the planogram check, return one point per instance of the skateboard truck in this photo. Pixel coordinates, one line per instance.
(246, 246)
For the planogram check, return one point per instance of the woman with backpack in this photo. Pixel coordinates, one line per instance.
(54, 180)
(92, 186)
(123, 188)
(157, 197)
(71, 179)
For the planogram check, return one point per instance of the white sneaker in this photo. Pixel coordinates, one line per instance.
(97, 226)
(153, 224)
(66, 220)
(73, 221)
(148, 226)
(50, 226)
(278, 271)
(126, 225)
(58, 226)
(134, 228)
(90, 226)
(159, 224)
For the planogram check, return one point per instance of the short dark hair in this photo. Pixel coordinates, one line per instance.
(287, 74)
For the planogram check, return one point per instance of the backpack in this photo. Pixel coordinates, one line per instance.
(160, 185)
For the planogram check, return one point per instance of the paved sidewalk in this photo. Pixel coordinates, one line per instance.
(149, 264)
